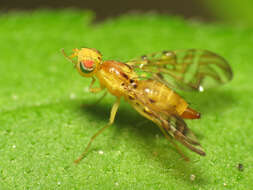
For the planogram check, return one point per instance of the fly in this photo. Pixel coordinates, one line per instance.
(148, 84)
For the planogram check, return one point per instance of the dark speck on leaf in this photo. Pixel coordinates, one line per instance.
(240, 167)
(151, 100)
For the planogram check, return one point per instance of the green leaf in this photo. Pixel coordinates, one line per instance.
(45, 122)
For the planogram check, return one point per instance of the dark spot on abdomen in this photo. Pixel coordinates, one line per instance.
(151, 100)
(124, 75)
(147, 112)
(129, 67)
(134, 85)
(131, 97)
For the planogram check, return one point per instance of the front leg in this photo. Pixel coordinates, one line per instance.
(95, 89)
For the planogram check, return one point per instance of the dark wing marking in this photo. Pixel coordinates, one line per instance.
(177, 128)
(171, 125)
(190, 69)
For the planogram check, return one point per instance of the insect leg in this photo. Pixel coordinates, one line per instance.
(95, 89)
(101, 98)
(96, 102)
(71, 56)
(111, 120)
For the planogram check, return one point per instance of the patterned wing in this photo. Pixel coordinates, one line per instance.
(190, 69)
(172, 126)
(184, 135)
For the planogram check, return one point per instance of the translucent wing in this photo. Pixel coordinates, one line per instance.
(170, 124)
(184, 135)
(190, 69)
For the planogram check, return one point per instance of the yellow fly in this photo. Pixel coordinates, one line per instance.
(146, 83)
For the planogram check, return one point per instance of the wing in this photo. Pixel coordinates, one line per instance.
(170, 125)
(184, 135)
(190, 69)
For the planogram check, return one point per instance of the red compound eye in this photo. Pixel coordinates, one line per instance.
(88, 64)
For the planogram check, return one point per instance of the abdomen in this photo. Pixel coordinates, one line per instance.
(161, 98)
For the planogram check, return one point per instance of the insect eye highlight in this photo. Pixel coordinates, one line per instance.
(87, 66)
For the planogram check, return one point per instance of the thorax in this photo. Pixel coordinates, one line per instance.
(117, 77)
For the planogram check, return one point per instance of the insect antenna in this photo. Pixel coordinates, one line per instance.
(70, 57)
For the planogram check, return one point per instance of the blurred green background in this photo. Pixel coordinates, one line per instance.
(233, 11)
(45, 122)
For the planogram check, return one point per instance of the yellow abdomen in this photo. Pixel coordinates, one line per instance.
(161, 98)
